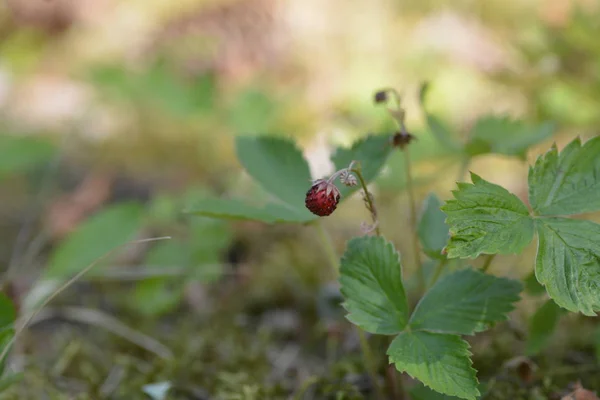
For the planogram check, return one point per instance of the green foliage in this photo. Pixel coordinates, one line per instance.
(371, 279)
(427, 346)
(20, 153)
(279, 167)
(432, 228)
(94, 238)
(567, 183)
(502, 135)
(568, 262)
(371, 153)
(486, 218)
(465, 302)
(541, 326)
(440, 361)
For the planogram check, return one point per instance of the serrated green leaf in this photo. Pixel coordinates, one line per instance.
(371, 152)
(94, 238)
(569, 182)
(541, 326)
(238, 210)
(486, 218)
(465, 302)
(278, 166)
(440, 361)
(432, 229)
(502, 135)
(371, 283)
(568, 262)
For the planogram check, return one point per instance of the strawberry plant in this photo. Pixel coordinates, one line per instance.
(453, 299)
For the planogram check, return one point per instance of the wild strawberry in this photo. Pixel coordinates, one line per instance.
(322, 198)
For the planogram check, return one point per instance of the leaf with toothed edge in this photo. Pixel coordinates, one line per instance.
(486, 218)
(440, 361)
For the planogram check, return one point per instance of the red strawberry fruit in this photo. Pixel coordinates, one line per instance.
(322, 198)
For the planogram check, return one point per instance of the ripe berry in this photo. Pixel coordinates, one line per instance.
(322, 198)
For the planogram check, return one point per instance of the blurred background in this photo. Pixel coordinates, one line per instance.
(118, 114)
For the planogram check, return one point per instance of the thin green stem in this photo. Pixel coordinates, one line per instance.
(368, 200)
(488, 262)
(327, 245)
(438, 270)
(364, 344)
(413, 219)
(370, 362)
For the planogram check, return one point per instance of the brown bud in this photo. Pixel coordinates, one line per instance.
(381, 96)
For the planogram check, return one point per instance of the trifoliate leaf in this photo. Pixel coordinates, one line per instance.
(432, 228)
(465, 302)
(440, 361)
(371, 283)
(541, 326)
(370, 152)
(486, 218)
(278, 166)
(568, 182)
(502, 135)
(568, 262)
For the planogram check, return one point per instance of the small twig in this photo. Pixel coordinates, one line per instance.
(27, 320)
(99, 319)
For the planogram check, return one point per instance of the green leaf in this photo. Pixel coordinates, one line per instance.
(168, 254)
(568, 262)
(95, 237)
(371, 283)
(541, 326)
(440, 361)
(569, 182)
(238, 210)
(19, 153)
(279, 167)
(486, 218)
(371, 152)
(432, 228)
(465, 302)
(502, 135)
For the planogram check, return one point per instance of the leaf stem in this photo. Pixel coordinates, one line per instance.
(370, 362)
(438, 271)
(488, 262)
(413, 218)
(364, 344)
(327, 245)
(368, 200)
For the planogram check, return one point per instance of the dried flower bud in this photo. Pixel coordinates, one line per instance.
(401, 139)
(381, 96)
